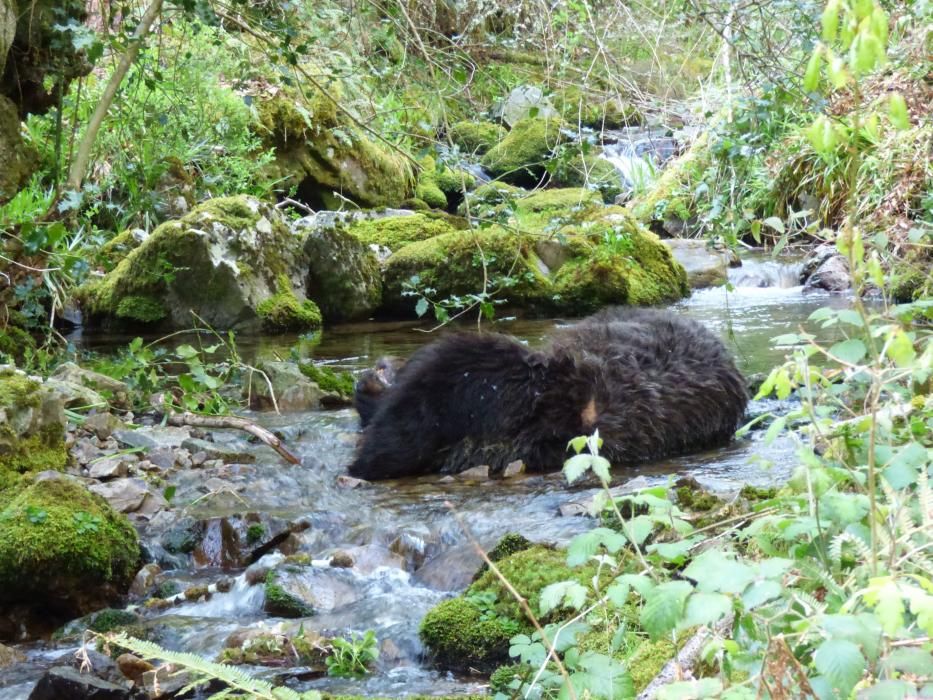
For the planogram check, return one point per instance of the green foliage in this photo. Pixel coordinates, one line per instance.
(285, 312)
(352, 658)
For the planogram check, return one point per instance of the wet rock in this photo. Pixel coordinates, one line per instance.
(411, 548)
(572, 509)
(290, 600)
(705, 266)
(147, 578)
(322, 589)
(228, 455)
(162, 457)
(369, 557)
(133, 667)
(342, 560)
(291, 390)
(451, 570)
(182, 537)
(224, 584)
(66, 683)
(344, 481)
(117, 392)
(220, 545)
(477, 473)
(83, 451)
(256, 574)
(513, 469)
(134, 438)
(123, 495)
(102, 424)
(195, 593)
(165, 681)
(75, 395)
(826, 269)
(10, 656)
(111, 467)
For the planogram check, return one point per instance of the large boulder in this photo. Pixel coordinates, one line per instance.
(343, 272)
(826, 269)
(17, 160)
(328, 158)
(32, 427)
(394, 232)
(595, 256)
(520, 157)
(233, 261)
(706, 266)
(475, 137)
(63, 550)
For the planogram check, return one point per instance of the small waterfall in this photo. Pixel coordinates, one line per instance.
(638, 154)
(766, 273)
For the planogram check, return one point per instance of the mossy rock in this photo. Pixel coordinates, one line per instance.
(476, 137)
(458, 638)
(121, 245)
(223, 260)
(340, 383)
(283, 311)
(321, 152)
(16, 343)
(592, 172)
(490, 200)
(64, 549)
(18, 160)
(595, 111)
(452, 264)
(394, 232)
(281, 603)
(32, 428)
(521, 156)
(671, 196)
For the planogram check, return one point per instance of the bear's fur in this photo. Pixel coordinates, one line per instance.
(371, 385)
(653, 383)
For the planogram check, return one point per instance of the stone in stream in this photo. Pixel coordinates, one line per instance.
(705, 266)
(123, 495)
(214, 451)
(826, 269)
(67, 683)
(102, 424)
(115, 391)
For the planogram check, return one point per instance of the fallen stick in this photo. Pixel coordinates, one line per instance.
(197, 421)
(686, 659)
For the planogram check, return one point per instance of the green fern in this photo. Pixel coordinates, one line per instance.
(240, 684)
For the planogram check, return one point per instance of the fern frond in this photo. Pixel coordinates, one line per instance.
(862, 550)
(236, 678)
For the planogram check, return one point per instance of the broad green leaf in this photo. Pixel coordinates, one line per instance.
(563, 593)
(777, 425)
(639, 528)
(421, 308)
(186, 352)
(885, 597)
(760, 592)
(901, 349)
(850, 351)
(715, 572)
(903, 469)
(664, 608)
(897, 111)
(850, 316)
(842, 663)
(582, 547)
(775, 223)
(888, 690)
(673, 551)
(691, 690)
(577, 466)
(600, 467)
(843, 508)
(921, 605)
(863, 630)
(916, 661)
(705, 609)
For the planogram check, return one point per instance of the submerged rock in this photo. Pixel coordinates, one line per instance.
(232, 261)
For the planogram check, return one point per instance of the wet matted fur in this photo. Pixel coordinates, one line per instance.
(653, 383)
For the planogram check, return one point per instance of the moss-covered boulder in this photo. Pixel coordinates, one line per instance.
(328, 158)
(476, 137)
(63, 550)
(669, 201)
(32, 428)
(394, 232)
(233, 261)
(17, 160)
(589, 171)
(342, 272)
(520, 157)
(595, 111)
(488, 201)
(280, 602)
(441, 187)
(456, 264)
(473, 630)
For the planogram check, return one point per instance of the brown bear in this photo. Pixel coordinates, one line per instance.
(655, 384)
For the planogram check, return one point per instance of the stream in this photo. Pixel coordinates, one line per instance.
(409, 550)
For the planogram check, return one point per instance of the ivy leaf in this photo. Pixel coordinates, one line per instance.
(705, 609)
(691, 690)
(841, 662)
(850, 351)
(421, 308)
(664, 608)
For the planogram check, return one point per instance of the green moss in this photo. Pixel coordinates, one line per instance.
(757, 493)
(648, 660)
(490, 199)
(56, 525)
(672, 194)
(502, 677)
(559, 201)
(23, 454)
(458, 638)
(15, 343)
(452, 264)
(284, 312)
(453, 182)
(395, 232)
(476, 137)
(429, 193)
(593, 110)
(508, 544)
(254, 533)
(280, 603)
(167, 589)
(414, 204)
(689, 498)
(141, 308)
(529, 571)
(111, 619)
(327, 379)
(520, 157)
(118, 247)
(592, 172)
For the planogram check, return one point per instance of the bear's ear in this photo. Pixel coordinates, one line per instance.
(537, 360)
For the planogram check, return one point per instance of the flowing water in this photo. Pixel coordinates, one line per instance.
(409, 548)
